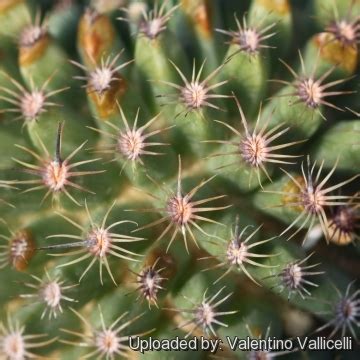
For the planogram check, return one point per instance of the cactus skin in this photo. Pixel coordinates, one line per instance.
(177, 168)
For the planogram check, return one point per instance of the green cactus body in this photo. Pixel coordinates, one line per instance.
(14, 15)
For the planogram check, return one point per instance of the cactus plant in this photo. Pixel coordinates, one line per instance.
(178, 170)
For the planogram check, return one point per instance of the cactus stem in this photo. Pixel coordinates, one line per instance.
(312, 197)
(312, 91)
(100, 78)
(343, 223)
(16, 345)
(154, 22)
(237, 254)
(293, 277)
(204, 315)
(254, 148)
(345, 313)
(30, 104)
(194, 94)
(98, 242)
(149, 283)
(181, 211)
(249, 39)
(108, 342)
(131, 143)
(19, 250)
(50, 292)
(265, 354)
(33, 40)
(345, 30)
(33, 32)
(54, 173)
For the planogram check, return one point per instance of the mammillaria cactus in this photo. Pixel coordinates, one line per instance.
(179, 175)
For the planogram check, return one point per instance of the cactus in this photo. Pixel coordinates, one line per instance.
(178, 169)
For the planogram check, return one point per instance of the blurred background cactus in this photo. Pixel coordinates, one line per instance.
(178, 168)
